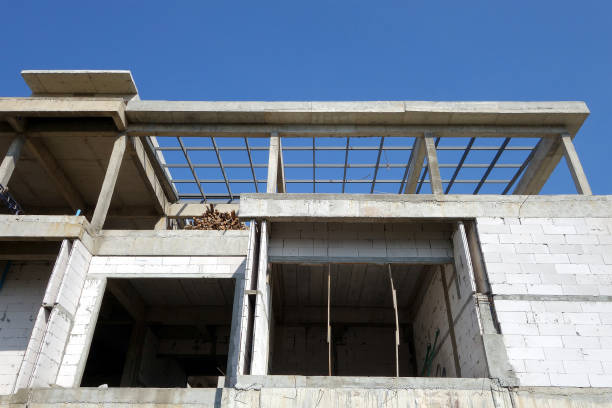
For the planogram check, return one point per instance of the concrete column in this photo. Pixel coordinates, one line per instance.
(110, 179)
(242, 319)
(415, 166)
(10, 160)
(61, 318)
(432, 164)
(575, 167)
(261, 328)
(272, 183)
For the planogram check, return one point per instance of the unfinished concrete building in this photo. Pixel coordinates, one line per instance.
(392, 254)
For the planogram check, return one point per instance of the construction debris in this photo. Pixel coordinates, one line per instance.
(214, 220)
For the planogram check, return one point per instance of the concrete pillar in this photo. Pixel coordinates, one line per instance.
(108, 186)
(263, 317)
(575, 167)
(243, 313)
(61, 318)
(10, 160)
(432, 164)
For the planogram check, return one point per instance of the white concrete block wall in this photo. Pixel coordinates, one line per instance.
(361, 239)
(61, 318)
(167, 266)
(430, 317)
(552, 284)
(20, 300)
(81, 333)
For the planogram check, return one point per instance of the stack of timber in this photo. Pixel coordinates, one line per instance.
(214, 220)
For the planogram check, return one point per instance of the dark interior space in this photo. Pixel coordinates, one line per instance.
(362, 318)
(161, 333)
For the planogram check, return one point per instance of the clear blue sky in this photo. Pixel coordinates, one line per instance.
(489, 50)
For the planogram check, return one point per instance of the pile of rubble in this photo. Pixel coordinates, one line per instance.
(214, 220)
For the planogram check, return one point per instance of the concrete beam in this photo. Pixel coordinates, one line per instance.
(65, 187)
(254, 130)
(188, 210)
(415, 165)
(108, 185)
(171, 243)
(393, 207)
(546, 156)
(146, 169)
(432, 164)
(10, 160)
(568, 114)
(575, 167)
(55, 107)
(51, 227)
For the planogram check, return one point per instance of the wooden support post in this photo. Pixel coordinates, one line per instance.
(44, 157)
(415, 165)
(397, 335)
(110, 179)
(273, 163)
(449, 317)
(432, 164)
(10, 160)
(329, 334)
(575, 167)
(546, 156)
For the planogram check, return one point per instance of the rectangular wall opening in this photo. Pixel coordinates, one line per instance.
(161, 333)
(439, 333)
(439, 327)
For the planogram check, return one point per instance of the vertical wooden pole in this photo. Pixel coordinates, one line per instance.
(397, 336)
(449, 317)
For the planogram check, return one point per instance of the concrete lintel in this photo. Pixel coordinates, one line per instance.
(555, 298)
(171, 243)
(309, 260)
(381, 207)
